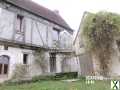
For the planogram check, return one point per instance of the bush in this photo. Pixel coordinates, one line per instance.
(16, 82)
(57, 76)
(43, 78)
(66, 75)
(20, 72)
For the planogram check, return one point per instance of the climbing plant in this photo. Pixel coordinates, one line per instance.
(99, 32)
(40, 59)
(20, 72)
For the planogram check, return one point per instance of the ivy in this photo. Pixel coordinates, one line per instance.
(99, 32)
(40, 59)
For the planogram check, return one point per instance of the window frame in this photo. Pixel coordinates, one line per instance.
(25, 59)
(58, 33)
(19, 20)
(3, 67)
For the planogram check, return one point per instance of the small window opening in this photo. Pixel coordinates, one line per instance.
(5, 68)
(0, 68)
(19, 23)
(25, 58)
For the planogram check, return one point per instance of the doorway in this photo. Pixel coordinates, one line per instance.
(52, 62)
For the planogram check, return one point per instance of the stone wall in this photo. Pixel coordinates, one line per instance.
(16, 58)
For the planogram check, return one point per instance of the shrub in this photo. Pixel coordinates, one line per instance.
(20, 71)
(57, 76)
(66, 75)
(43, 78)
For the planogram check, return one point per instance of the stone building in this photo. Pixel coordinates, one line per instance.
(29, 32)
(84, 57)
(89, 64)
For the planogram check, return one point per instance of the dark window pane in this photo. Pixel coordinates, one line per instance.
(5, 68)
(19, 23)
(25, 56)
(0, 68)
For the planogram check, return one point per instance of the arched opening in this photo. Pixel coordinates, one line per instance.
(4, 64)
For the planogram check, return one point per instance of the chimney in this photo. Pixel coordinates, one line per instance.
(56, 12)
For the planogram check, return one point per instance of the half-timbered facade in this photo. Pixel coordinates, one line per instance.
(26, 27)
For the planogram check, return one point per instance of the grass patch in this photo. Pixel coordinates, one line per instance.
(59, 85)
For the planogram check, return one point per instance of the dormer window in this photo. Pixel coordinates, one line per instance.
(19, 23)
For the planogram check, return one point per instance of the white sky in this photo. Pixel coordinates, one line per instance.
(72, 10)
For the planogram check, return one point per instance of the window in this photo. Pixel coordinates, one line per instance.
(4, 63)
(55, 37)
(25, 58)
(5, 68)
(52, 62)
(55, 34)
(0, 68)
(19, 23)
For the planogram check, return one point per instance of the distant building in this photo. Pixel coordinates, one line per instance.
(84, 57)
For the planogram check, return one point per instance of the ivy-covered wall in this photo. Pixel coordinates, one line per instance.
(100, 32)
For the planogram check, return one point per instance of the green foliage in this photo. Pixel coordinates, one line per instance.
(19, 72)
(43, 78)
(99, 32)
(17, 82)
(40, 59)
(99, 28)
(57, 76)
(66, 75)
(59, 85)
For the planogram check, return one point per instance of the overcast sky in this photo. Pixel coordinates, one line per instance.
(72, 10)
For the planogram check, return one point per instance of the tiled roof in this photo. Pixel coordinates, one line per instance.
(41, 11)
